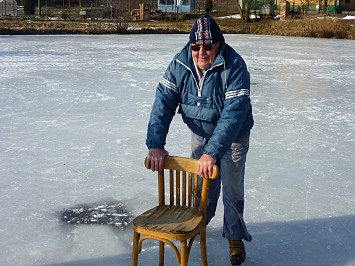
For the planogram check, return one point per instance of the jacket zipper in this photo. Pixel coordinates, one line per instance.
(199, 85)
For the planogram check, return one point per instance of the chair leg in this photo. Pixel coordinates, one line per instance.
(161, 253)
(135, 249)
(183, 253)
(203, 247)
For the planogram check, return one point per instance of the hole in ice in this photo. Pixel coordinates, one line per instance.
(100, 213)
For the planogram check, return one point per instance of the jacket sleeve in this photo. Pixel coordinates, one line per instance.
(236, 106)
(164, 107)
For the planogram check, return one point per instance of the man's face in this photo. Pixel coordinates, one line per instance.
(202, 57)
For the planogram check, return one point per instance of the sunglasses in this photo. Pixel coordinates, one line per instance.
(206, 47)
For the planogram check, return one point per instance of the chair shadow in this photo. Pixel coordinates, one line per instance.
(313, 242)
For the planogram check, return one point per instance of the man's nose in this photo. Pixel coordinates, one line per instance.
(202, 50)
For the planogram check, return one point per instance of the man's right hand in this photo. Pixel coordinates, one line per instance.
(155, 159)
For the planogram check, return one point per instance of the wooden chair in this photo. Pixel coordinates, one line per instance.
(181, 219)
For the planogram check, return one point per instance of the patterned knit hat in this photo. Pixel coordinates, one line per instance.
(206, 31)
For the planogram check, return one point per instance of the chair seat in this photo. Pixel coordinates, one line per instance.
(170, 222)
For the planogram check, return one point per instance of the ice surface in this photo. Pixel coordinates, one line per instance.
(73, 116)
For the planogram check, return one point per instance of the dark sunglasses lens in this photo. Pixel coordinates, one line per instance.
(195, 48)
(207, 47)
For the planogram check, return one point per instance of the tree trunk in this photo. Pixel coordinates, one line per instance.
(247, 11)
(244, 14)
(240, 11)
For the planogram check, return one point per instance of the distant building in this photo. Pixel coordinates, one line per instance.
(331, 6)
(334, 6)
(349, 5)
(8, 8)
(177, 5)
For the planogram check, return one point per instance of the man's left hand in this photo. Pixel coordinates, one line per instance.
(205, 166)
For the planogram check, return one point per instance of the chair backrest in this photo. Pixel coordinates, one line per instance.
(183, 183)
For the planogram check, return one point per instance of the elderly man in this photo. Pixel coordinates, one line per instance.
(209, 84)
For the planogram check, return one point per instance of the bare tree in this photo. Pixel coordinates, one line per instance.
(306, 4)
(244, 10)
(325, 6)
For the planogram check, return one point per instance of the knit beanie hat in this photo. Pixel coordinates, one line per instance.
(206, 31)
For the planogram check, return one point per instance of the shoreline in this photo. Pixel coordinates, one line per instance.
(307, 27)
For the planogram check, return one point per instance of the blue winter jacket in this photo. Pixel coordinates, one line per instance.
(219, 111)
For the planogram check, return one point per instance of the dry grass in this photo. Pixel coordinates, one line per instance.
(59, 27)
(308, 27)
(321, 28)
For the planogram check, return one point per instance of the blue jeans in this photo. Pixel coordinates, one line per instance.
(232, 168)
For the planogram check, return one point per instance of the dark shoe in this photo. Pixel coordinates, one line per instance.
(237, 252)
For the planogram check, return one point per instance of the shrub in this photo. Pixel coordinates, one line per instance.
(64, 15)
(328, 28)
(208, 6)
(29, 7)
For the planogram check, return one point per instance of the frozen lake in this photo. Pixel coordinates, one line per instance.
(73, 118)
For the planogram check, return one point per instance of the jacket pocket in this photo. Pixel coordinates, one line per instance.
(199, 112)
(199, 101)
